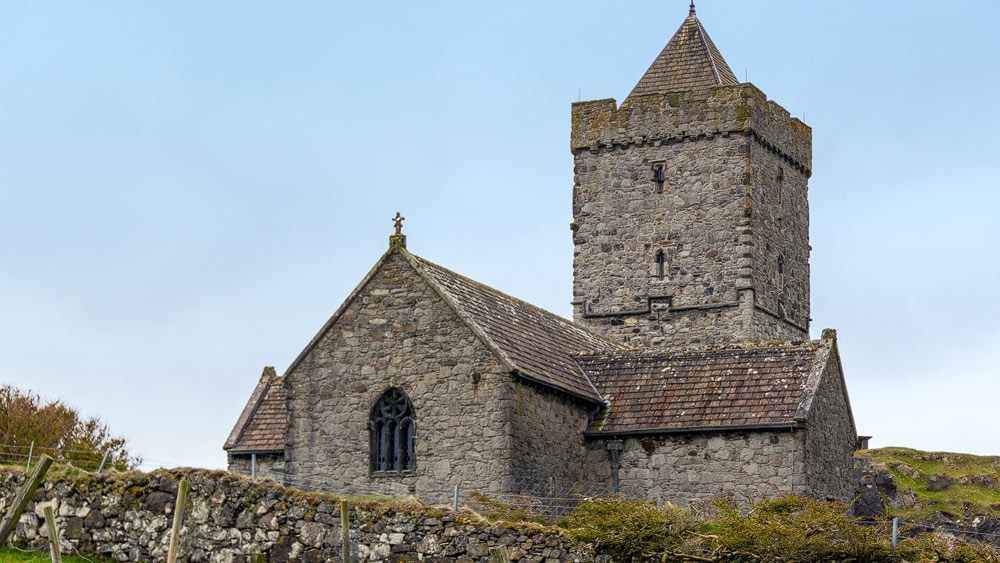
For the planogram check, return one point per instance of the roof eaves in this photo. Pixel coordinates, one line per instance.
(795, 425)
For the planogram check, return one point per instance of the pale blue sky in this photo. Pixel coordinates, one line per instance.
(190, 189)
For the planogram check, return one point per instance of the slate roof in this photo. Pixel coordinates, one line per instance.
(735, 386)
(261, 427)
(690, 61)
(533, 341)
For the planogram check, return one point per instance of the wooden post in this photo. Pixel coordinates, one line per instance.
(499, 555)
(345, 532)
(21, 501)
(175, 530)
(50, 523)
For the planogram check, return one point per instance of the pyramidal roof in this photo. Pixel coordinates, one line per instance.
(690, 61)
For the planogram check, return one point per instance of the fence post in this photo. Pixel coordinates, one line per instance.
(895, 532)
(104, 461)
(253, 467)
(21, 501)
(454, 502)
(50, 523)
(345, 532)
(659, 503)
(31, 450)
(175, 530)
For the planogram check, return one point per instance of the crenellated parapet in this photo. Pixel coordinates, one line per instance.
(654, 119)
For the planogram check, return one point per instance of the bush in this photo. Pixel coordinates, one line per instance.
(53, 425)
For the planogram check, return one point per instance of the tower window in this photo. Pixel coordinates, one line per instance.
(781, 264)
(781, 182)
(391, 433)
(659, 177)
(661, 264)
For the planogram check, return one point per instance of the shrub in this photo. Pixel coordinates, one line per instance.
(53, 425)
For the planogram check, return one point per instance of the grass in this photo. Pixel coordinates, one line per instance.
(8, 555)
(958, 498)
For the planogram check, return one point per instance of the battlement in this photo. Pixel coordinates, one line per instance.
(654, 119)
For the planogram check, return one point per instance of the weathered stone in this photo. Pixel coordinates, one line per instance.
(939, 482)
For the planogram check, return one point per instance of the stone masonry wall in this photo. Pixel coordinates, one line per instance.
(228, 519)
(397, 332)
(739, 466)
(622, 223)
(548, 439)
(780, 229)
(714, 244)
(830, 441)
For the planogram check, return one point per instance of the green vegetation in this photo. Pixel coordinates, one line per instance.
(974, 489)
(784, 530)
(55, 429)
(17, 556)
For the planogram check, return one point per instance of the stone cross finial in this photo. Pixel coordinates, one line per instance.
(398, 239)
(691, 11)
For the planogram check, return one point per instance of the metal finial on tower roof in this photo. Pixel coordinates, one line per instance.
(691, 11)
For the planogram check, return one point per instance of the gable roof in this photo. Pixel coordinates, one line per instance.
(734, 387)
(689, 61)
(261, 426)
(537, 344)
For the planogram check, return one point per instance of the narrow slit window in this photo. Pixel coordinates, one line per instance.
(781, 186)
(661, 264)
(659, 178)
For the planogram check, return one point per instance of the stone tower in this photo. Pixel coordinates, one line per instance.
(691, 217)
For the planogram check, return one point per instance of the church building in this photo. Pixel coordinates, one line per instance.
(687, 370)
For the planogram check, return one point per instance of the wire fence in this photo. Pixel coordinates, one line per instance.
(543, 498)
(28, 455)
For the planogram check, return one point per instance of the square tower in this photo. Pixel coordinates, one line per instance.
(690, 207)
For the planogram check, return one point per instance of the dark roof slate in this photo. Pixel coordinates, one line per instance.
(532, 340)
(736, 386)
(262, 426)
(689, 61)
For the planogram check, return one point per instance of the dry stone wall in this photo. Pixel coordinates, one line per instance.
(127, 517)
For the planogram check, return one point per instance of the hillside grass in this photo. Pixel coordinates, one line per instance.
(958, 499)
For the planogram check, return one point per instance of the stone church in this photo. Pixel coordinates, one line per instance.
(687, 370)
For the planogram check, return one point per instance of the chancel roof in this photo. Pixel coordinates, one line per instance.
(739, 386)
(690, 61)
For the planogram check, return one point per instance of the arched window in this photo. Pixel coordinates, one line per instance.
(661, 264)
(391, 428)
